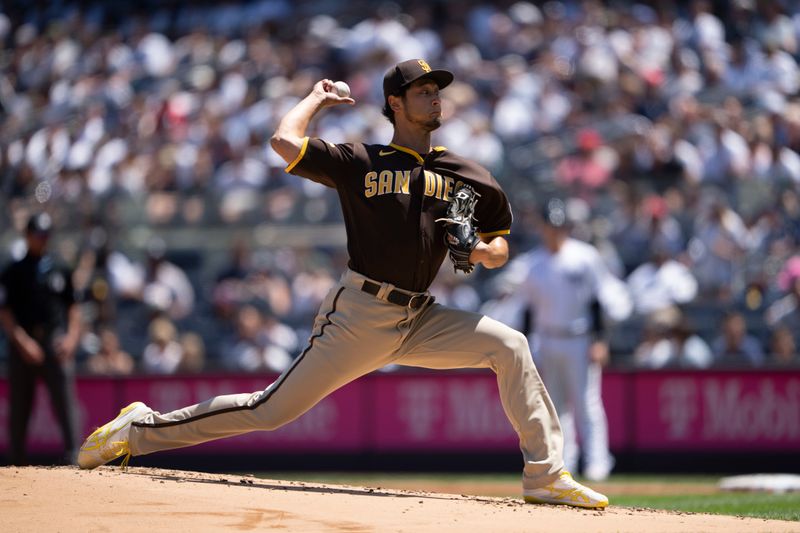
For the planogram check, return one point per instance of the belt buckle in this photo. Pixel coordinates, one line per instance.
(424, 298)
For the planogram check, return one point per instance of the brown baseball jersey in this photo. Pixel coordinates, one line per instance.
(391, 197)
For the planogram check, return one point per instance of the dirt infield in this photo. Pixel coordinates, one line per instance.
(66, 499)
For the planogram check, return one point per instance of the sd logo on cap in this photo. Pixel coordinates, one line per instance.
(407, 72)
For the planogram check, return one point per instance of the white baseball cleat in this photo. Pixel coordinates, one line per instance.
(566, 491)
(111, 440)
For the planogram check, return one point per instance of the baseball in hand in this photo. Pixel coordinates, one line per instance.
(341, 88)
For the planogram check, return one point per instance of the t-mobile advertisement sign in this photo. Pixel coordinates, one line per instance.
(709, 411)
(439, 412)
(648, 411)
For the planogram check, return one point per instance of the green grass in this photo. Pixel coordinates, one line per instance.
(687, 493)
(757, 505)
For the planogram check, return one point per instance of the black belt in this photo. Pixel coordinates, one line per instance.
(414, 301)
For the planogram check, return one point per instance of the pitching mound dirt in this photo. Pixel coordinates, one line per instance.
(148, 500)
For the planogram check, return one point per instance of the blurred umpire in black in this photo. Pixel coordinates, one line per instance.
(41, 320)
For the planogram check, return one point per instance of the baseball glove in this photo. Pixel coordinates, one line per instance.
(461, 236)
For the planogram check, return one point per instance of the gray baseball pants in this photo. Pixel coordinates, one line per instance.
(356, 333)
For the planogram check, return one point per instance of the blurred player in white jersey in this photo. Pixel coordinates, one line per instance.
(569, 291)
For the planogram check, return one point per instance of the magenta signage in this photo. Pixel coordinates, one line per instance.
(647, 411)
(717, 411)
(439, 412)
(617, 402)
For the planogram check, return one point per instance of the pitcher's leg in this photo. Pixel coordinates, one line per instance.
(448, 338)
(554, 369)
(334, 357)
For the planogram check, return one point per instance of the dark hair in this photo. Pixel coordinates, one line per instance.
(387, 110)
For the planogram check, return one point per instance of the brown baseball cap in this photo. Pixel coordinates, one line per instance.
(407, 72)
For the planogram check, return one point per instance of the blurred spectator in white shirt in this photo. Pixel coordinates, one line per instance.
(47, 151)
(773, 28)
(515, 113)
(258, 344)
(281, 343)
(160, 284)
(744, 71)
(661, 283)
(164, 353)
(727, 156)
(780, 71)
(784, 165)
(669, 342)
(707, 33)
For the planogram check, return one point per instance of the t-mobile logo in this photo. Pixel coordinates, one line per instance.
(678, 406)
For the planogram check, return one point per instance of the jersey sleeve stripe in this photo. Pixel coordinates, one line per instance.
(299, 156)
(495, 233)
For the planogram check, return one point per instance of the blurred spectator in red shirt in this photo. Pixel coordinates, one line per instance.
(785, 312)
(590, 168)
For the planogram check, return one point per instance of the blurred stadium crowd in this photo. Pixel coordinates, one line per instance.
(140, 126)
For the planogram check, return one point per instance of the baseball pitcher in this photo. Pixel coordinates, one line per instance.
(407, 205)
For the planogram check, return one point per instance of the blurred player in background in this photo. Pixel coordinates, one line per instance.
(567, 286)
(41, 320)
